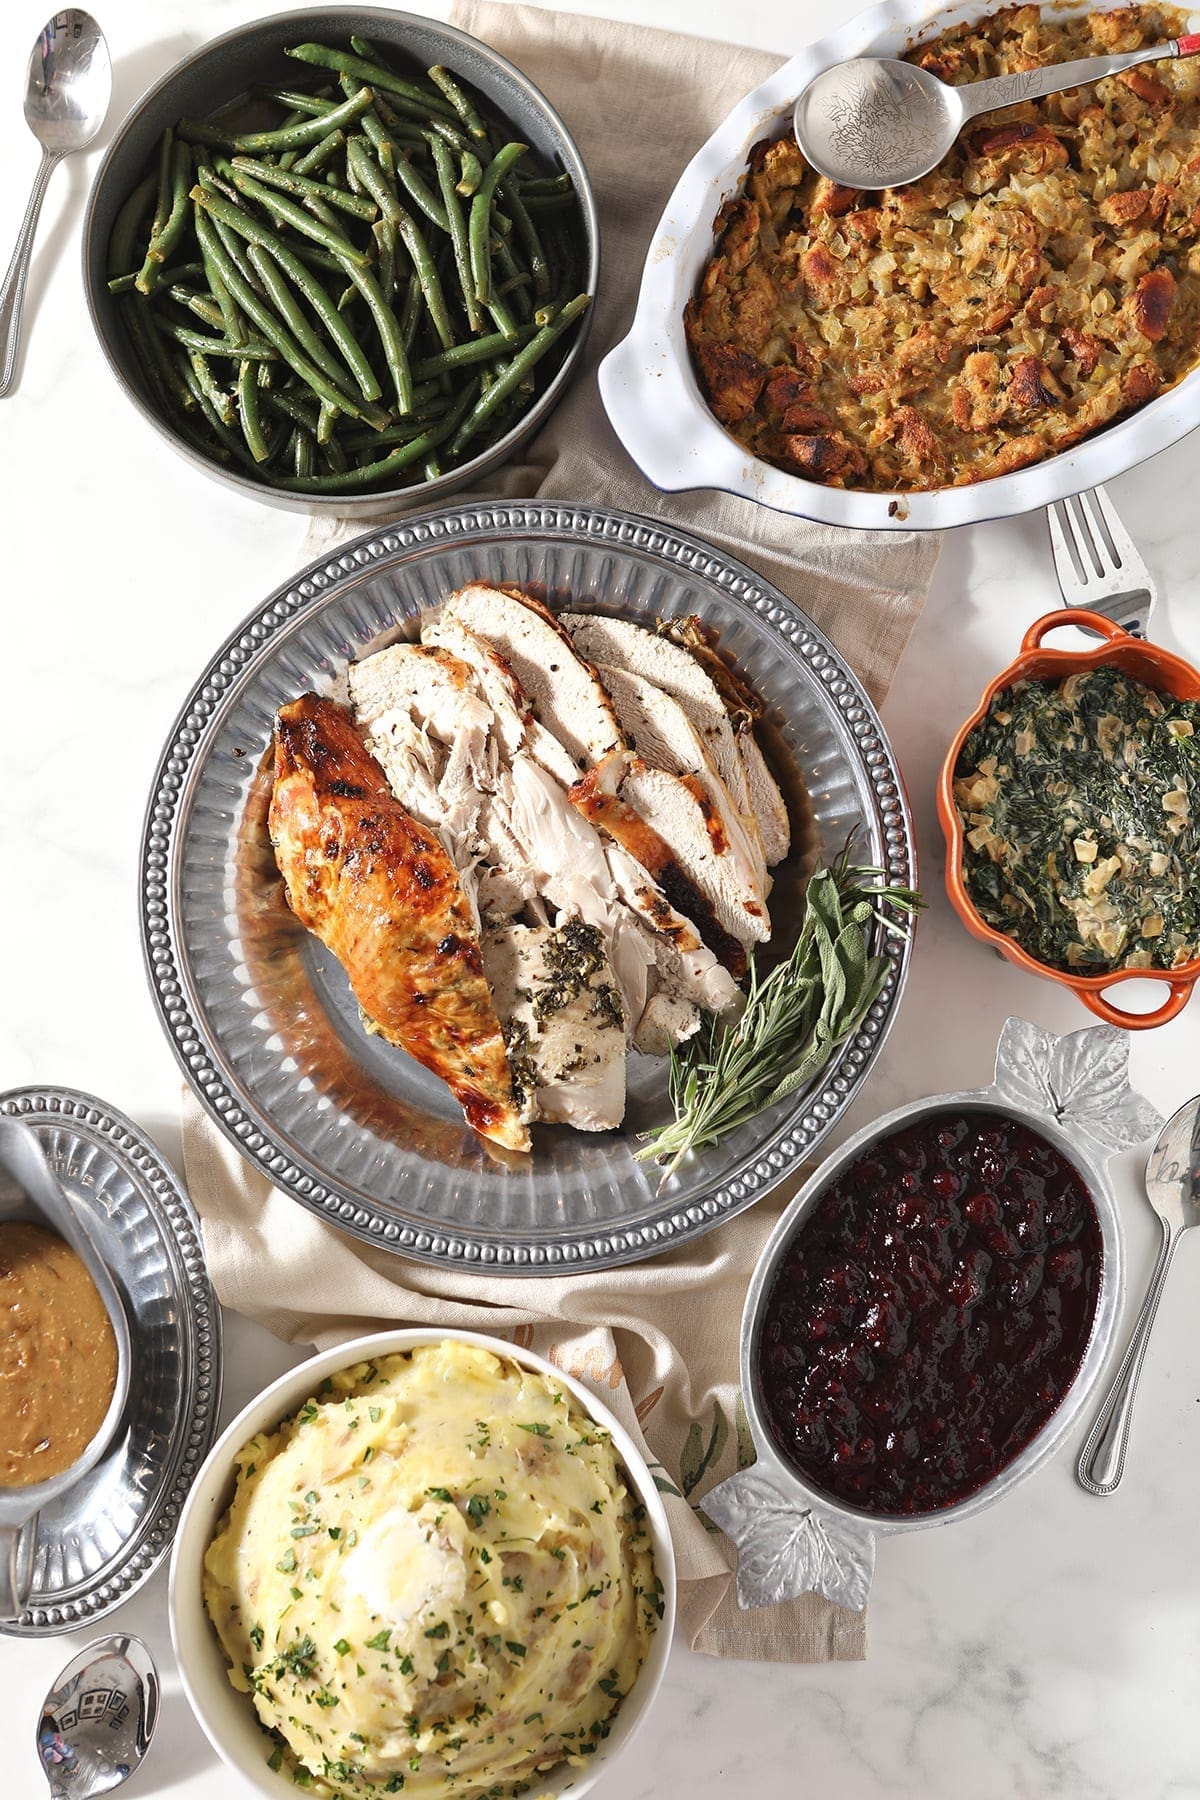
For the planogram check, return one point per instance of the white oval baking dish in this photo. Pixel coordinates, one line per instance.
(651, 394)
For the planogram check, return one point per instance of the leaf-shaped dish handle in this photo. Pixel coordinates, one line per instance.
(785, 1548)
(1080, 1080)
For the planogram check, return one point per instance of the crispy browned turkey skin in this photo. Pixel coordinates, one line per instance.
(379, 890)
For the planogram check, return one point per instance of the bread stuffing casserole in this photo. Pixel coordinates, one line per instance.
(1042, 282)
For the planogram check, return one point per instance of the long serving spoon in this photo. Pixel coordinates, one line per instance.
(98, 1718)
(1173, 1190)
(67, 91)
(875, 123)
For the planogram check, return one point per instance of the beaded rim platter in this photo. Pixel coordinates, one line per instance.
(102, 1539)
(259, 1015)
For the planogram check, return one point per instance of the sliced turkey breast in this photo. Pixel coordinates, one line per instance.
(659, 729)
(710, 703)
(679, 851)
(564, 1024)
(564, 690)
(519, 727)
(668, 1020)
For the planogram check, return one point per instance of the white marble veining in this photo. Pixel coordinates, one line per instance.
(1049, 1647)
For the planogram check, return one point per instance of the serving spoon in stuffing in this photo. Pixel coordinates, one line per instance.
(98, 1718)
(67, 90)
(874, 122)
(1173, 1190)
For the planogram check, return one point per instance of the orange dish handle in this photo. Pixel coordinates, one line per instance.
(1176, 1000)
(1076, 615)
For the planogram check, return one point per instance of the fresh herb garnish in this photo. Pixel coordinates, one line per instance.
(794, 1020)
(477, 1508)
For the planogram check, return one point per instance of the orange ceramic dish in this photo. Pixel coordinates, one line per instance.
(1141, 662)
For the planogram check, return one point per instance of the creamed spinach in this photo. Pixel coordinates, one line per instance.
(1080, 802)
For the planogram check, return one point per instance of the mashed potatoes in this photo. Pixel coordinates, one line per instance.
(433, 1579)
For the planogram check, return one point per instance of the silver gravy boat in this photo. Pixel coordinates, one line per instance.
(29, 1191)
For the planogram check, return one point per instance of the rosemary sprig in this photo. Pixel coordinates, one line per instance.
(794, 1020)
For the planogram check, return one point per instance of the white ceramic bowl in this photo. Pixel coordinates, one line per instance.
(227, 1717)
(650, 391)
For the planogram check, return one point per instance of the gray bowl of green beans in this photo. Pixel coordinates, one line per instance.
(343, 258)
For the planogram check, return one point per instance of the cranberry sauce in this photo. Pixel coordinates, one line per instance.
(930, 1313)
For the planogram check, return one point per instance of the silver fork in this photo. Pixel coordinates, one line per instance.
(1097, 562)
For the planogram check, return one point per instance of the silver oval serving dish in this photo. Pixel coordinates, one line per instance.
(98, 1541)
(261, 1017)
(792, 1537)
(677, 442)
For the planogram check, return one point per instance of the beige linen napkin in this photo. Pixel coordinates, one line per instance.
(657, 1342)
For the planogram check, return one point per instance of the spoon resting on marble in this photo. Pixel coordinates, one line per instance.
(98, 1718)
(1173, 1190)
(874, 122)
(68, 86)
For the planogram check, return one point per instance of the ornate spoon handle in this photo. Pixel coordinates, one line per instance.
(1056, 78)
(1102, 1460)
(12, 294)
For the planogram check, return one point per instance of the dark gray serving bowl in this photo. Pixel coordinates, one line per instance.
(215, 76)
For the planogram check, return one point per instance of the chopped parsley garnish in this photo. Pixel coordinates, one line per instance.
(342, 1647)
(381, 1641)
(376, 1413)
(256, 1636)
(287, 1564)
(517, 1649)
(442, 1494)
(440, 1630)
(539, 1428)
(478, 1508)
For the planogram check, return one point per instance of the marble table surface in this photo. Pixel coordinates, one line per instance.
(1049, 1647)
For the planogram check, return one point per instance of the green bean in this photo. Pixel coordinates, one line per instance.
(290, 406)
(290, 182)
(257, 350)
(394, 349)
(443, 161)
(286, 211)
(166, 181)
(310, 288)
(130, 217)
(419, 192)
(547, 184)
(400, 458)
(527, 231)
(510, 280)
(288, 308)
(295, 101)
(304, 459)
(459, 100)
(248, 411)
(326, 420)
(400, 130)
(384, 234)
(333, 456)
(476, 350)
(220, 402)
(164, 239)
(234, 323)
(202, 305)
(294, 137)
(374, 74)
(548, 203)
(502, 319)
(359, 157)
(481, 217)
(517, 369)
(319, 155)
(410, 316)
(261, 315)
(472, 172)
(317, 258)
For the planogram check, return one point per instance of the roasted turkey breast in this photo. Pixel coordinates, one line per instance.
(380, 891)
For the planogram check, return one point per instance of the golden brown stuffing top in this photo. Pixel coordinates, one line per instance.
(1043, 281)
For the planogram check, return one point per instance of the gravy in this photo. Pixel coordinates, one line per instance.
(58, 1355)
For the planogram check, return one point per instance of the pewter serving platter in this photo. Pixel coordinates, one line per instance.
(260, 1015)
(104, 1537)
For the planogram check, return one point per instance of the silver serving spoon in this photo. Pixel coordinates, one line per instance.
(1173, 1189)
(67, 90)
(98, 1718)
(875, 123)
